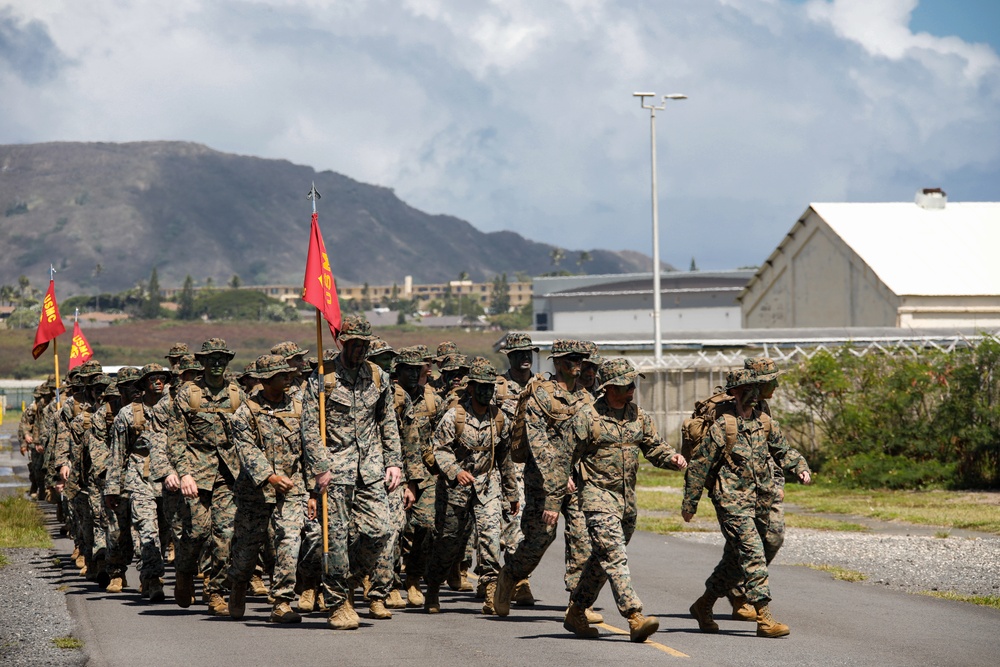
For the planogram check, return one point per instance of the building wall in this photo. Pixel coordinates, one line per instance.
(640, 321)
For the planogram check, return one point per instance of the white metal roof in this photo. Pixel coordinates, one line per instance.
(923, 252)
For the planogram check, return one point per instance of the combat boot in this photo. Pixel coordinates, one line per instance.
(75, 556)
(204, 589)
(414, 598)
(395, 600)
(576, 622)
(349, 606)
(144, 589)
(217, 605)
(454, 578)
(307, 600)
(522, 594)
(238, 600)
(155, 589)
(702, 611)
(503, 592)
(116, 584)
(432, 605)
(257, 586)
(481, 590)
(766, 625)
(464, 584)
(184, 590)
(320, 601)
(742, 610)
(342, 619)
(376, 609)
(282, 613)
(640, 627)
(171, 555)
(491, 589)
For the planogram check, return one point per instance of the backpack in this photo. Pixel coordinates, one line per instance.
(330, 379)
(706, 413)
(196, 398)
(519, 444)
(256, 409)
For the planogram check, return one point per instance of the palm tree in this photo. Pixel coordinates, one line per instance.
(557, 255)
(7, 294)
(583, 257)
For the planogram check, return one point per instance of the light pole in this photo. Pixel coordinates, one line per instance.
(657, 332)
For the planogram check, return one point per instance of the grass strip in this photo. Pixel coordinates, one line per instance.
(992, 601)
(841, 573)
(67, 643)
(22, 524)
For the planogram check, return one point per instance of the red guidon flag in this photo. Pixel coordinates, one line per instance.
(80, 349)
(50, 324)
(319, 288)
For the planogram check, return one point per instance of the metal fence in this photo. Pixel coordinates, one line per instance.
(672, 386)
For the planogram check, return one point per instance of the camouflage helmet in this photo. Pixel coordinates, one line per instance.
(73, 378)
(481, 370)
(619, 372)
(763, 368)
(455, 362)
(39, 391)
(128, 374)
(355, 327)
(515, 342)
(214, 346)
(101, 379)
(267, 366)
(594, 360)
(739, 377)
(149, 370)
(112, 390)
(563, 347)
(89, 367)
(188, 362)
(444, 349)
(378, 347)
(288, 349)
(415, 355)
(177, 350)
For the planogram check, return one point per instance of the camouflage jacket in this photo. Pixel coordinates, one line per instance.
(419, 427)
(197, 435)
(128, 463)
(80, 460)
(480, 450)
(362, 438)
(742, 483)
(546, 421)
(162, 414)
(268, 440)
(61, 444)
(26, 426)
(101, 431)
(607, 448)
(46, 435)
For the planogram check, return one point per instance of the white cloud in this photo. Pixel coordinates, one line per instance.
(518, 114)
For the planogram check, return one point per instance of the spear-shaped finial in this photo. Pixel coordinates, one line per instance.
(313, 196)
(52, 272)
(76, 315)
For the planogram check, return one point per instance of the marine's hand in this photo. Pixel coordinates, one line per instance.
(679, 461)
(570, 486)
(281, 483)
(805, 477)
(515, 507)
(323, 481)
(687, 516)
(172, 482)
(393, 477)
(550, 518)
(189, 488)
(311, 509)
(465, 478)
(64, 473)
(409, 498)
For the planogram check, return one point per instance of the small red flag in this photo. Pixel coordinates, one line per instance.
(50, 324)
(80, 349)
(319, 288)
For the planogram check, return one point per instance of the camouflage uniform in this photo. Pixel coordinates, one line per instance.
(546, 419)
(741, 486)
(198, 445)
(117, 522)
(293, 354)
(607, 446)
(268, 439)
(482, 451)
(129, 470)
(362, 442)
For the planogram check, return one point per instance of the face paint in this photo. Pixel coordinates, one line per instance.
(482, 392)
(409, 376)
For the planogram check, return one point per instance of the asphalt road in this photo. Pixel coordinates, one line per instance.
(832, 622)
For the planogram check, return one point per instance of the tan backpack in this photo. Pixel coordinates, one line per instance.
(519, 442)
(706, 413)
(196, 398)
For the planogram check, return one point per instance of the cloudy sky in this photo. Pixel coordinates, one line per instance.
(518, 114)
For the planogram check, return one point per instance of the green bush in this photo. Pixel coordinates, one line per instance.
(883, 471)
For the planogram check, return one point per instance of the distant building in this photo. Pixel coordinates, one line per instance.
(928, 264)
(623, 303)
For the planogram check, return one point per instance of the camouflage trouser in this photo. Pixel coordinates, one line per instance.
(773, 540)
(192, 529)
(743, 562)
(609, 534)
(280, 524)
(36, 469)
(418, 538)
(83, 526)
(99, 512)
(357, 522)
(120, 545)
(144, 519)
(223, 516)
(386, 575)
(456, 523)
(511, 535)
(538, 536)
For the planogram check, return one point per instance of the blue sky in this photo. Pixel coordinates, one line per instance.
(518, 114)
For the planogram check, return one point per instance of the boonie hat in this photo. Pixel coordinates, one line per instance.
(355, 327)
(516, 342)
(763, 368)
(619, 372)
(481, 370)
(214, 346)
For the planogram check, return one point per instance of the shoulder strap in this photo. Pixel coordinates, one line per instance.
(196, 398)
(376, 375)
(459, 420)
(138, 417)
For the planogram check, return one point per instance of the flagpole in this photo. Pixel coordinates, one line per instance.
(313, 196)
(55, 346)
